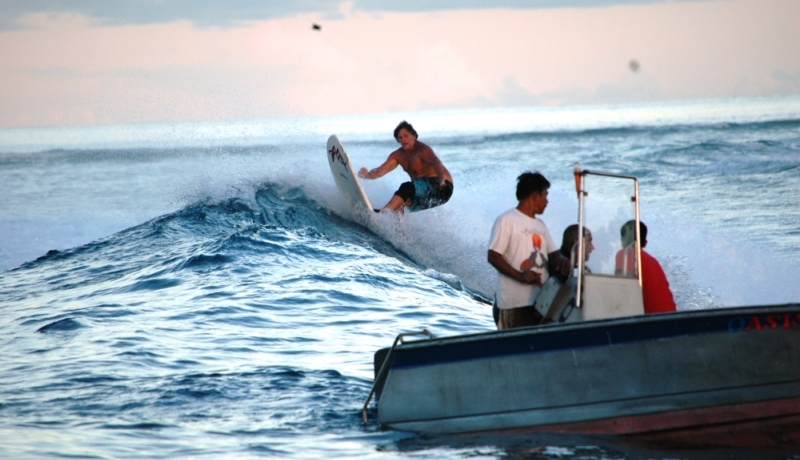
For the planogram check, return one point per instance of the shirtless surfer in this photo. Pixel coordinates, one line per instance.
(431, 183)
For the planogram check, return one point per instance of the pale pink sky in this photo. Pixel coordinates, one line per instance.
(68, 69)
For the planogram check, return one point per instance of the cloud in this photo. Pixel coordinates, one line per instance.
(67, 68)
(200, 12)
(786, 83)
(206, 13)
(512, 94)
(638, 87)
(448, 74)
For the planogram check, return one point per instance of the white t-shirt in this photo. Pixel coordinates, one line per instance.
(524, 243)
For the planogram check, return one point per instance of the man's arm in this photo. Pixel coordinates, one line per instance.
(558, 263)
(441, 172)
(388, 166)
(497, 261)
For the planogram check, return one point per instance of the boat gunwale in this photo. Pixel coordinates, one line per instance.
(649, 323)
(557, 327)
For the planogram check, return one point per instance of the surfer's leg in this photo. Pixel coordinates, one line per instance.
(430, 194)
(401, 198)
(396, 204)
(443, 194)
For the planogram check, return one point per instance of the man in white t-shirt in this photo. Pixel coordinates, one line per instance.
(523, 253)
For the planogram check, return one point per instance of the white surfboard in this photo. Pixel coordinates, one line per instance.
(346, 179)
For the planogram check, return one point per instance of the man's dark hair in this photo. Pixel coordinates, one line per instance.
(570, 235)
(407, 126)
(529, 183)
(629, 226)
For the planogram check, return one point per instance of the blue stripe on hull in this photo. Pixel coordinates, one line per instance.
(556, 338)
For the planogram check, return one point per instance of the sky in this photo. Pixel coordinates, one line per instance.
(86, 62)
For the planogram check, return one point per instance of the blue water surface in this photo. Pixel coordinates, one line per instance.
(208, 295)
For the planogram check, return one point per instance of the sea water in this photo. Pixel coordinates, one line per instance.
(199, 290)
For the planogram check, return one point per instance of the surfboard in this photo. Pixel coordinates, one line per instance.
(346, 179)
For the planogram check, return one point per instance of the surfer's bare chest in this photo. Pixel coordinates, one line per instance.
(413, 163)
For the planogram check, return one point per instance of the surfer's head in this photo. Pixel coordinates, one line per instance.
(407, 126)
(529, 183)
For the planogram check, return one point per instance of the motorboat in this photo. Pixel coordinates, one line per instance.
(599, 366)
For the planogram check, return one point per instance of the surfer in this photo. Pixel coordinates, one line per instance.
(431, 184)
(523, 253)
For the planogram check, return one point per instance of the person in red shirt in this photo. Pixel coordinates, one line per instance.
(656, 293)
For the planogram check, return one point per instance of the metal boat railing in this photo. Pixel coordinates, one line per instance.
(580, 179)
(385, 366)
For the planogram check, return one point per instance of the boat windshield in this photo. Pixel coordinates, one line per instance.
(610, 210)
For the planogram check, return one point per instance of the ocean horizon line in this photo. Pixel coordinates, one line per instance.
(377, 126)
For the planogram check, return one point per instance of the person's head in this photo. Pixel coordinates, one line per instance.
(570, 238)
(628, 233)
(407, 126)
(532, 193)
(406, 136)
(529, 183)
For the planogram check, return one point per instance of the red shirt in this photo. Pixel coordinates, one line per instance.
(655, 287)
(657, 296)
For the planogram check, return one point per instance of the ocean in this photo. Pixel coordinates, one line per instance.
(200, 290)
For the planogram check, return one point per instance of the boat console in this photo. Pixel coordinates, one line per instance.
(601, 295)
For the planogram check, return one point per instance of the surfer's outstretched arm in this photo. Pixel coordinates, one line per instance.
(388, 166)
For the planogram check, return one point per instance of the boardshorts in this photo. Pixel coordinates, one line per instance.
(425, 193)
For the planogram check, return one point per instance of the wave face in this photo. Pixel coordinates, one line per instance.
(190, 301)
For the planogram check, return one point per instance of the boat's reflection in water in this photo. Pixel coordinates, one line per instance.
(568, 446)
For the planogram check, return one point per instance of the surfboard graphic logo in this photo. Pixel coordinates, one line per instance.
(337, 155)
